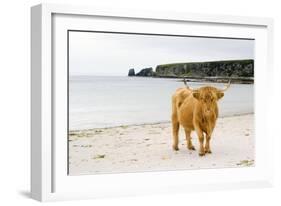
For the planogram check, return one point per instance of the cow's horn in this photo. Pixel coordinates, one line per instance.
(226, 87)
(185, 83)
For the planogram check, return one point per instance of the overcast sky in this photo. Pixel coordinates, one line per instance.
(114, 54)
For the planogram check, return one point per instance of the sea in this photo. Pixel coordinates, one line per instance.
(108, 101)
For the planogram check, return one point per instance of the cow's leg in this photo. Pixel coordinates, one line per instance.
(207, 145)
(176, 127)
(188, 139)
(201, 140)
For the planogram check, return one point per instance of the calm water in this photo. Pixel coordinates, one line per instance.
(97, 102)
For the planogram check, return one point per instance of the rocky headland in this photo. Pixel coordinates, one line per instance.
(240, 71)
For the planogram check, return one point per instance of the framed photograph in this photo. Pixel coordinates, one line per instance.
(136, 102)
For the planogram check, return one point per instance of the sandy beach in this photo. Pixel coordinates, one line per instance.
(148, 147)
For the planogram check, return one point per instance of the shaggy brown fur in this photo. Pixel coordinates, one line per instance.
(195, 110)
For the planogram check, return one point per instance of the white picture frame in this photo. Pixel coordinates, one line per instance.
(49, 180)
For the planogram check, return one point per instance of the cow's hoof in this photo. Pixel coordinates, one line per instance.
(191, 148)
(176, 148)
(208, 151)
(201, 154)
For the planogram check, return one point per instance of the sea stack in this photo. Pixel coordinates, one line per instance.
(131, 72)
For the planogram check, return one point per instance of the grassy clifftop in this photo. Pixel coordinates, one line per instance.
(231, 68)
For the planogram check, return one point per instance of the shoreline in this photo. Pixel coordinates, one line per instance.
(148, 147)
(151, 123)
(234, 80)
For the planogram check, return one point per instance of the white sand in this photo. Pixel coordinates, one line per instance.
(148, 147)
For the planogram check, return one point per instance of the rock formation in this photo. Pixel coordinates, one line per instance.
(131, 72)
(147, 72)
(233, 68)
(240, 71)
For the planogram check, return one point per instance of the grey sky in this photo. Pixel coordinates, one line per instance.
(114, 54)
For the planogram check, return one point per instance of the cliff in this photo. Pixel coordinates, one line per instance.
(240, 71)
(233, 68)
